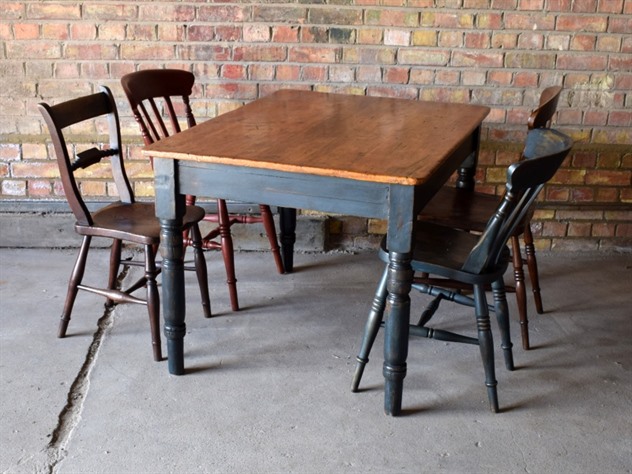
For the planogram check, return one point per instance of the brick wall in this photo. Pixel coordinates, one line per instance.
(499, 53)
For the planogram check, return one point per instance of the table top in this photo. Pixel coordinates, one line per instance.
(377, 139)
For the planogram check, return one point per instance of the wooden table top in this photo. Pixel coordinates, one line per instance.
(375, 139)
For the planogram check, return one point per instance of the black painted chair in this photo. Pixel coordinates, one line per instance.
(157, 98)
(454, 257)
(125, 220)
(468, 210)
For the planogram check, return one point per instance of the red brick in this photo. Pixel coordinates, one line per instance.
(582, 194)
(582, 62)
(430, 57)
(526, 79)
(53, 11)
(605, 194)
(531, 5)
(392, 18)
(334, 16)
(227, 33)
(33, 50)
(314, 73)
(477, 40)
(232, 91)
(595, 117)
(579, 229)
(272, 14)
(261, 72)
(260, 53)
(467, 59)
(554, 229)
(583, 42)
(86, 31)
(524, 60)
(287, 72)
(447, 77)
(396, 75)
(450, 39)
(200, 33)
(529, 21)
(104, 51)
(504, 40)
(620, 25)
(25, 31)
(613, 178)
(556, 194)
(489, 20)
(285, 34)
(603, 229)
(369, 74)
(610, 6)
(224, 13)
(141, 32)
(581, 23)
(160, 12)
(102, 12)
(624, 230)
(584, 6)
(398, 93)
(233, 71)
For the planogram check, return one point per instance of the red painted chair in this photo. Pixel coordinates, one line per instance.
(467, 210)
(157, 97)
(125, 220)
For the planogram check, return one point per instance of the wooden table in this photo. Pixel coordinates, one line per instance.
(351, 155)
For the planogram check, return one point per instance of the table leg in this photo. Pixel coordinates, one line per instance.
(173, 303)
(397, 317)
(287, 222)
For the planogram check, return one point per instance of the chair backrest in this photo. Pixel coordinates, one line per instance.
(151, 93)
(544, 152)
(542, 115)
(63, 115)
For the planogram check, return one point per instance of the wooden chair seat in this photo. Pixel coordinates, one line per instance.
(133, 222)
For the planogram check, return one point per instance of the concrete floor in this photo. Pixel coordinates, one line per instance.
(267, 388)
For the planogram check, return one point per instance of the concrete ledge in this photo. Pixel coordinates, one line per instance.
(56, 230)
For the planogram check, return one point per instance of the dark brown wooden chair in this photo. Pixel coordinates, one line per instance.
(467, 210)
(451, 255)
(151, 95)
(122, 221)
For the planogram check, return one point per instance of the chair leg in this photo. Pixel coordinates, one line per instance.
(115, 263)
(73, 285)
(521, 293)
(532, 266)
(228, 253)
(200, 270)
(153, 301)
(268, 225)
(371, 329)
(486, 345)
(502, 317)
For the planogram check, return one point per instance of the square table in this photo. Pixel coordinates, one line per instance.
(371, 157)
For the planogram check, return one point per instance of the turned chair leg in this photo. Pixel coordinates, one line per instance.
(200, 270)
(371, 329)
(228, 253)
(486, 345)
(73, 285)
(115, 263)
(521, 293)
(502, 317)
(270, 229)
(532, 266)
(153, 301)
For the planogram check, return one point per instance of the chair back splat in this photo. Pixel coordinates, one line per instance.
(142, 88)
(544, 152)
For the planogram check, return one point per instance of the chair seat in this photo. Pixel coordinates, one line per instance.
(135, 222)
(441, 251)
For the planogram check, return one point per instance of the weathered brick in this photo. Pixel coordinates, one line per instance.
(285, 34)
(581, 23)
(612, 178)
(33, 50)
(256, 33)
(529, 21)
(392, 18)
(159, 12)
(476, 59)
(53, 11)
(533, 60)
(276, 14)
(13, 187)
(261, 72)
(397, 37)
(424, 38)
(610, 6)
(102, 11)
(260, 53)
(450, 39)
(429, 57)
(310, 54)
(314, 73)
(329, 16)
(104, 51)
